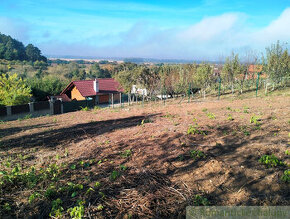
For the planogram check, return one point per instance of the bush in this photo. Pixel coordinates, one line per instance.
(13, 90)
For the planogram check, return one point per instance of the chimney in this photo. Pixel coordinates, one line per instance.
(96, 85)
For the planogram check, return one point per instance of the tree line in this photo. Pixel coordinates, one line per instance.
(43, 79)
(12, 49)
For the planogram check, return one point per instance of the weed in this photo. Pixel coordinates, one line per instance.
(97, 184)
(100, 207)
(57, 209)
(286, 176)
(147, 120)
(255, 119)
(204, 110)
(85, 108)
(181, 157)
(196, 154)
(114, 175)
(193, 129)
(90, 190)
(245, 130)
(54, 120)
(7, 207)
(230, 118)
(170, 116)
(33, 196)
(28, 116)
(271, 161)
(210, 115)
(123, 167)
(78, 211)
(126, 153)
(287, 152)
(73, 167)
(200, 201)
(229, 108)
(66, 152)
(97, 108)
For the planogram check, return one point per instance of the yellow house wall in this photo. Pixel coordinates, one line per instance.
(75, 94)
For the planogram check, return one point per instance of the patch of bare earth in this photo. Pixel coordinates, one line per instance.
(159, 177)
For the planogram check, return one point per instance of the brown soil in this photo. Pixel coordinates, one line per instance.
(161, 178)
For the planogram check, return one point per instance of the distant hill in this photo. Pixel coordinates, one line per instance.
(12, 49)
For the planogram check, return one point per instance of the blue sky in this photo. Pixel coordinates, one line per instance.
(186, 29)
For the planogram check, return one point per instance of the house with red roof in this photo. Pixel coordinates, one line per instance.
(100, 90)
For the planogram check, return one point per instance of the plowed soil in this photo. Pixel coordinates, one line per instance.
(158, 177)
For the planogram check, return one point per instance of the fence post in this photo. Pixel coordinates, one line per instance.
(120, 99)
(61, 106)
(112, 99)
(8, 110)
(51, 107)
(257, 85)
(31, 108)
(220, 81)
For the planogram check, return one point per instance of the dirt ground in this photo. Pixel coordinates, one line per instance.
(157, 177)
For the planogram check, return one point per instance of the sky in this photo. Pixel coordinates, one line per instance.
(171, 29)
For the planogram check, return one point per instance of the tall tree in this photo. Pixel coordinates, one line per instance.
(277, 63)
(232, 68)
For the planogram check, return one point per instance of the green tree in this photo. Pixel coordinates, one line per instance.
(277, 63)
(46, 86)
(97, 72)
(203, 77)
(231, 69)
(33, 53)
(13, 90)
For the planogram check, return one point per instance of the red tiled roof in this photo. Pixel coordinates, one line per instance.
(86, 87)
(255, 68)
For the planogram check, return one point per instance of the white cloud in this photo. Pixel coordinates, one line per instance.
(207, 39)
(278, 29)
(209, 28)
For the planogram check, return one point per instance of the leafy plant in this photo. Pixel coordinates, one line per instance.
(230, 118)
(97, 184)
(147, 120)
(123, 167)
(200, 201)
(126, 153)
(100, 207)
(114, 175)
(255, 119)
(196, 154)
(286, 176)
(85, 108)
(271, 161)
(57, 209)
(193, 129)
(33, 196)
(77, 212)
(210, 115)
